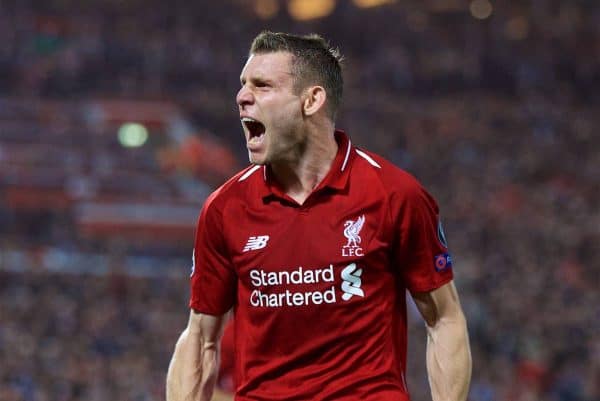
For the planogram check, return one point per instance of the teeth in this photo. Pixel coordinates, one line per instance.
(248, 120)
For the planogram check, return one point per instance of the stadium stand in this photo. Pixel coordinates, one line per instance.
(497, 117)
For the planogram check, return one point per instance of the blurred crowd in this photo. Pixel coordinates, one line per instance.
(497, 117)
(87, 337)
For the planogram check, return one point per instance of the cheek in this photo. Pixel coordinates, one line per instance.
(287, 106)
(287, 114)
(284, 128)
(283, 116)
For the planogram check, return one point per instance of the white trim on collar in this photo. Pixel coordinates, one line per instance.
(347, 154)
(248, 173)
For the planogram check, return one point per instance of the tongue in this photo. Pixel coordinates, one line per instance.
(256, 139)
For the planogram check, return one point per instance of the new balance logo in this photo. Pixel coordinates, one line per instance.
(256, 242)
(352, 282)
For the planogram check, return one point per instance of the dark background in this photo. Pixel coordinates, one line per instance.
(494, 106)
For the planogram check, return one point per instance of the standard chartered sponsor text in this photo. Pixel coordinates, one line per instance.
(274, 299)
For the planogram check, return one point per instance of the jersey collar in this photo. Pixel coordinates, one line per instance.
(336, 178)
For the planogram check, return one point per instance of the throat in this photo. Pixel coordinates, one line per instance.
(300, 176)
(300, 197)
(298, 183)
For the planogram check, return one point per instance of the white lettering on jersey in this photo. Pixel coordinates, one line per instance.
(256, 242)
(276, 289)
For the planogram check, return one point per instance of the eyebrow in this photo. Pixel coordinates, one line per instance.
(257, 79)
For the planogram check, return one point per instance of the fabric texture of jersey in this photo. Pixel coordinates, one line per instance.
(318, 290)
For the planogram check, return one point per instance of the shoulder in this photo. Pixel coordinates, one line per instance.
(405, 197)
(395, 181)
(236, 187)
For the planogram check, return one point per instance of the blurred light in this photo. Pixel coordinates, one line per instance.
(132, 135)
(517, 28)
(266, 9)
(371, 3)
(303, 10)
(481, 9)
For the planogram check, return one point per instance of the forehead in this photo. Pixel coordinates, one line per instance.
(268, 66)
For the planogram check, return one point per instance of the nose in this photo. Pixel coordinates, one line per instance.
(244, 97)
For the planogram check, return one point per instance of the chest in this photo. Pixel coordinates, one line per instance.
(335, 232)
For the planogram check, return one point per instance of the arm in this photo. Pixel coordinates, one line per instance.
(220, 395)
(193, 369)
(448, 352)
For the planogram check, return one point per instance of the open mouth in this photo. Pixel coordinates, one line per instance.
(255, 128)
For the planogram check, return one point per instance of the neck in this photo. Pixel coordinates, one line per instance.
(300, 176)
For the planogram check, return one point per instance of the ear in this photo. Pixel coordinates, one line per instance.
(314, 99)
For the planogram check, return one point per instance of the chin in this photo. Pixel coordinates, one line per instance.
(257, 159)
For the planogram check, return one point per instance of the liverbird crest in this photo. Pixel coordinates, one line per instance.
(352, 231)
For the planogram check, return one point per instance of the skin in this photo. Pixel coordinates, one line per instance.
(448, 353)
(193, 370)
(298, 142)
(299, 147)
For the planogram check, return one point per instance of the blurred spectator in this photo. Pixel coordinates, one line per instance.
(496, 117)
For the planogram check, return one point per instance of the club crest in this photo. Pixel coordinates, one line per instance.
(352, 233)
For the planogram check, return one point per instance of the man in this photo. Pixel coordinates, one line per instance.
(313, 248)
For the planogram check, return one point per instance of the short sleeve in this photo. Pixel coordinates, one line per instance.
(213, 279)
(421, 252)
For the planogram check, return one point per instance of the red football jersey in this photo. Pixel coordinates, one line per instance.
(318, 290)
